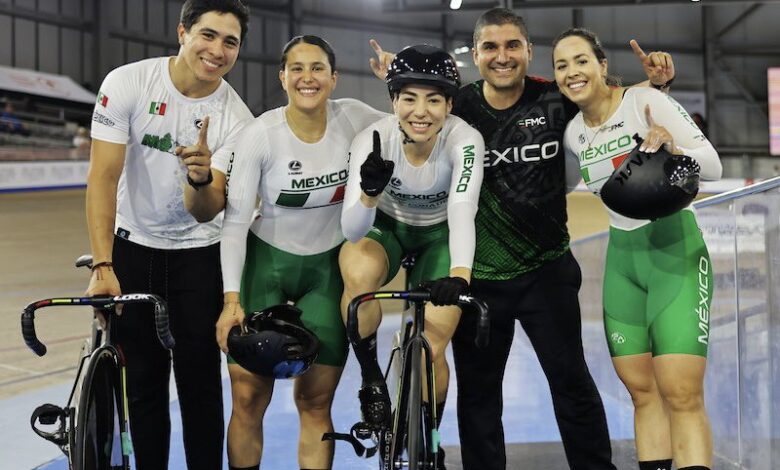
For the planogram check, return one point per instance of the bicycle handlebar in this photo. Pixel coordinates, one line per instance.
(418, 295)
(100, 302)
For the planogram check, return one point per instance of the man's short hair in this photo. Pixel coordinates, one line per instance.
(192, 10)
(499, 17)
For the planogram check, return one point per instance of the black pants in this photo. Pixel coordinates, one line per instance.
(545, 302)
(190, 281)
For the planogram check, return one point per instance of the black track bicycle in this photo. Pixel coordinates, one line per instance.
(91, 429)
(412, 441)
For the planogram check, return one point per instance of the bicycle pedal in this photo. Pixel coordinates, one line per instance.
(364, 431)
(48, 414)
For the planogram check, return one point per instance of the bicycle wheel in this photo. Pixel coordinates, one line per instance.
(413, 428)
(100, 416)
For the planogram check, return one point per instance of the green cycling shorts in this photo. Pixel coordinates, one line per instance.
(430, 243)
(658, 288)
(313, 283)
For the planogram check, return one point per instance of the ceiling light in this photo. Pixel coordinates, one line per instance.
(455, 4)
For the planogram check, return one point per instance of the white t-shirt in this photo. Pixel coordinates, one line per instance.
(445, 187)
(139, 106)
(301, 185)
(593, 153)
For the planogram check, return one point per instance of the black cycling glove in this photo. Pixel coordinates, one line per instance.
(445, 291)
(375, 172)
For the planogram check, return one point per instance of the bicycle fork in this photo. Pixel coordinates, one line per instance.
(413, 430)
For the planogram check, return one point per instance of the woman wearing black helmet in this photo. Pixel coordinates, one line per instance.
(658, 278)
(414, 188)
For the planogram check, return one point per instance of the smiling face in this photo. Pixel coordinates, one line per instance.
(578, 73)
(210, 47)
(421, 111)
(502, 55)
(307, 77)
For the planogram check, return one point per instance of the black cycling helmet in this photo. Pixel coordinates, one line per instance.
(274, 343)
(423, 64)
(651, 185)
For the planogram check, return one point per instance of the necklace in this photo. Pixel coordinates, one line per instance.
(300, 133)
(595, 134)
(610, 110)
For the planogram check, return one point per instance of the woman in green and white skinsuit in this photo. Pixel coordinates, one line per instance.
(658, 278)
(295, 159)
(414, 185)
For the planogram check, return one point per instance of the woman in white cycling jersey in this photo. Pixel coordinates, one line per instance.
(295, 159)
(658, 272)
(414, 185)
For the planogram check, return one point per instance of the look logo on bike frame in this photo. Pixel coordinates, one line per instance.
(93, 432)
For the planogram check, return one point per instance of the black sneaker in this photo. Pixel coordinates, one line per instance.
(375, 404)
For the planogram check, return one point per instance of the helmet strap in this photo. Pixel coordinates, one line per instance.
(409, 140)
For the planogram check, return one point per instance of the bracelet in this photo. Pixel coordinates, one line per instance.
(102, 264)
(197, 186)
(665, 85)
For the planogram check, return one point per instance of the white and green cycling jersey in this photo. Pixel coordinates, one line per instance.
(443, 189)
(593, 153)
(300, 185)
(658, 278)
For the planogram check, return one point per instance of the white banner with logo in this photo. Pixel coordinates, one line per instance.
(25, 176)
(43, 84)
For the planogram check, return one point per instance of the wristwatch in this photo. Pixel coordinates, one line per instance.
(664, 86)
(197, 186)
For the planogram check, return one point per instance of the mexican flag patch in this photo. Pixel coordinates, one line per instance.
(102, 100)
(157, 108)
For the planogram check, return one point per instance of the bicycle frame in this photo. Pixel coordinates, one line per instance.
(412, 441)
(104, 368)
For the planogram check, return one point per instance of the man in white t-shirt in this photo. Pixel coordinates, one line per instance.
(158, 127)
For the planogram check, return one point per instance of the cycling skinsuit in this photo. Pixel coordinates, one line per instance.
(291, 253)
(428, 209)
(658, 277)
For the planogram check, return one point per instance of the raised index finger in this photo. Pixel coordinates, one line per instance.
(376, 47)
(377, 151)
(637, 50)
(204, 132)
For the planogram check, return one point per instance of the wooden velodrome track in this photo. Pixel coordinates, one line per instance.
(43, 233)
